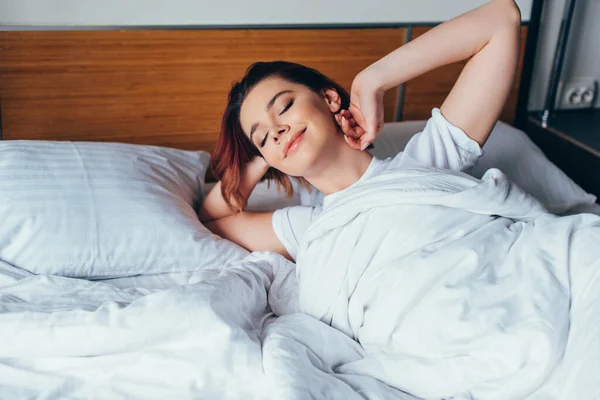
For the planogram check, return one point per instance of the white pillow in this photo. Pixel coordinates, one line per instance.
(266, 196)
(514, 153)
(507, 149)
(104, 209)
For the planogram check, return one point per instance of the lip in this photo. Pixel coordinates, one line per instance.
(290, 142)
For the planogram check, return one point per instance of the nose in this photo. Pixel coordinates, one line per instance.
(280, 130)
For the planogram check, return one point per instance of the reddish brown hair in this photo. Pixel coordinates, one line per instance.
(234, 149)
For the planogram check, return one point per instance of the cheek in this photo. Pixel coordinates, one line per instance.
(323, 118)
(272, 155)
(313, 109)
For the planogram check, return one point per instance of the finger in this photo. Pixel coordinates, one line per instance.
(359, 131)
(358, 118)
(348, 130)
(353, 118)
(341, 115)
(348, 114)
(366, 140)
(355, 144)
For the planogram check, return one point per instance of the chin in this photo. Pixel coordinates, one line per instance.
(303, 162)
(297, 164)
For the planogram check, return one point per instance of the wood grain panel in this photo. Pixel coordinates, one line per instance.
(429, 90)
(157, 87)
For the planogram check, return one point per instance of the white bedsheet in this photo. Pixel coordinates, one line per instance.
(299, 353)
(214, 334)
(69, 338)
(212, 338)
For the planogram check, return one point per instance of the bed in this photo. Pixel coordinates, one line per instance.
(109, 285)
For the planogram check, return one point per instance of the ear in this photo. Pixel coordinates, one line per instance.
(333, 99)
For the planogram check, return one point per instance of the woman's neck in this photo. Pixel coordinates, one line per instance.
(339, 169)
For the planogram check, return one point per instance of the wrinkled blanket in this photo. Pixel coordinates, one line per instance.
(211, 336)
(417, 285)
(452, 285)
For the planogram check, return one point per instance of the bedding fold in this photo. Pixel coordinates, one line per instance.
(71, 338)
(492, 299)
(476, 305)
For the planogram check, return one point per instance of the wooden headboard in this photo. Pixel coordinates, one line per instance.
(169, 87)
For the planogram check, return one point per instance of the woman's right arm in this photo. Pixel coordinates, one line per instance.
(488, 36)
(251, 230)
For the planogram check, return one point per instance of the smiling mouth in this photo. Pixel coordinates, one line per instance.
(293, 144)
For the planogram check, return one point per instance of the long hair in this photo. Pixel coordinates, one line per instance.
(234, 149)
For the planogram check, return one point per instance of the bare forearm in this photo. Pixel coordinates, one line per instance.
(214, 205)
(452, 41)
(251, 230)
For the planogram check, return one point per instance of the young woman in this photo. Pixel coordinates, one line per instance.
(285, 119)
(454, 287)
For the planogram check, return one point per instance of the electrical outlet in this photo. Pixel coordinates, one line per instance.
(576, 93)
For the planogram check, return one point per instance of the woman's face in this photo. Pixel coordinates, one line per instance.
(290, 125)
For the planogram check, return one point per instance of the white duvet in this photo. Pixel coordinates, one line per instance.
(445, 298)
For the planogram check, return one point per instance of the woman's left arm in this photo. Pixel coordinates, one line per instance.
(489, 36)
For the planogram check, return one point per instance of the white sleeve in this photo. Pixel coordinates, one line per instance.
(290, 224)
(442, 145)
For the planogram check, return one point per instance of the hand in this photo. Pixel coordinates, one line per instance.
(258, 166)
(352, 131)
(364, 119)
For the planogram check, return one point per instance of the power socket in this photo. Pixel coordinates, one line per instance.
(576, 93)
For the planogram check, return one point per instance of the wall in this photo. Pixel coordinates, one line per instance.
(582, 58)
(231, 12)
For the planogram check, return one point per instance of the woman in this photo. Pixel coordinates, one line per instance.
(275, 102)
(453, 286)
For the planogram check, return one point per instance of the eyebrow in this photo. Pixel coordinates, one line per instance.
(269, 105)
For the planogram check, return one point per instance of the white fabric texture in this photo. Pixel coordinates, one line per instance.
(211, 335)
(446, 297)
(104, 209)
(214, 333)
(439, 145)
(514, 153)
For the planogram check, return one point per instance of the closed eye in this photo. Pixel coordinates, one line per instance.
(287, 107)
(291, 102)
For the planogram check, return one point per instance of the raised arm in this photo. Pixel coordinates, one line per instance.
(215, 207)
(488, 35)
(251, 230)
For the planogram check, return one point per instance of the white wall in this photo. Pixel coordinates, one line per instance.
(231, 12)
(582, 58)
